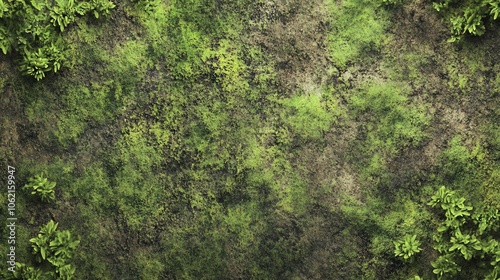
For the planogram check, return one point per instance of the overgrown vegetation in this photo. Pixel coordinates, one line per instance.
(468, 17)
(53, 251)
(251, 139)
(33, 30)
(42, 187)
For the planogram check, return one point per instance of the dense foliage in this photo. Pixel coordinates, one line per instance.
(465, 241)
(468, 17)
(33, 30)
(53, 252)
(42, 187)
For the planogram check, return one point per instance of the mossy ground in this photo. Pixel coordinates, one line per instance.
(254, 139)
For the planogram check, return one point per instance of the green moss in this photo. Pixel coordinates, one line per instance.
(180, 152)
(457, 159)
(358, 29)
(307, 116)
(148, 265)
(389, 126)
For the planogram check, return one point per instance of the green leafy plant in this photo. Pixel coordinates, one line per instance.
(467, 17)
(65, 272)
(62, 13)
(453, 205)
(37, 63)
(55, 247)
(41, 243)
(445, 265)
(42, 187)
(463, 235)
(63, 246)
(101, 7)
(24, 271)
(32, 28)
(407, 247)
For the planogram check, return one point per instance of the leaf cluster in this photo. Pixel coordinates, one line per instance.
(465, 235)
(42, 187)
(407, 247)
(54, 247)
(468, 17)
(33, 30)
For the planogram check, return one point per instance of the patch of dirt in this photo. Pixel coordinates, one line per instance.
(329, 175)
(293, 33)
(418, 30)
(17, 139)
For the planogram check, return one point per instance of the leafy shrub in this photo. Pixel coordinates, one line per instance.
(32, 29)
(466, 234)
(56, 248)
(41, 243)
(24, 271)
(41, 187)
(467, 17)
(39, 61)
(407, 247)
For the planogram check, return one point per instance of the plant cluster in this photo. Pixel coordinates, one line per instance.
(33, 30)
(407, 247)
(42, 187)
(465, 235)
(468, 17)
(53, 247)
